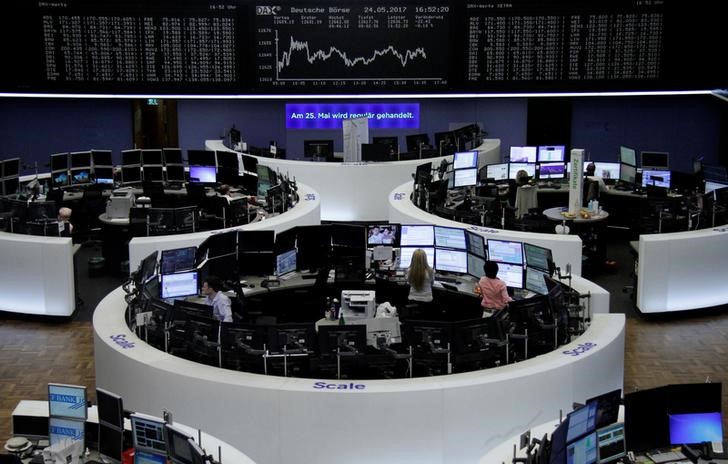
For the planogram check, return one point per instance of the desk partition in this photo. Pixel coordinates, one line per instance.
(566, 249)
(358, 191)
(683, 270)
(305, 213)
(36, 275)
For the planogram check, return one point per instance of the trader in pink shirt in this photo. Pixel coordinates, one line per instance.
(492, 289)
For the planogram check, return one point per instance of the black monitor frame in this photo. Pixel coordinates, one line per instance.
(318, 148)
(201, 158)
(131, 157)
(415, 142)
(59, 162)
(346, 338)
(391, 142)
(172, 156)
(110, 408)
(292, 337)
(101, 158)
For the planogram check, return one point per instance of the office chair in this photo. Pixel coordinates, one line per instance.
(526, 199)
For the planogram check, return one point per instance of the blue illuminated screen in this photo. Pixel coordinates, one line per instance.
(695, 428)
(551, 153)
(286, 262)
(141, 457)
(205, 174)
(583, 451)
(179, 285)
(60, 429)
(387, 115)
(649, 175)
(502, 251)
(465, 159)
(67, 401)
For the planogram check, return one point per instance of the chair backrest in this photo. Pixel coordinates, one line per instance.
(526, 199)
(591, 190)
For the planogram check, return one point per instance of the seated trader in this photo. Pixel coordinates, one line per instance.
(64, 218)
(221, 306)
(589, 172)
(420, 277)
(492, 289)
(226, 192)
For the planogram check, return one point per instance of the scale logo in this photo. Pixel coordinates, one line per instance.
(310, 197)
(399, 196)
(339, 386)
(121, 340)
(581, 348)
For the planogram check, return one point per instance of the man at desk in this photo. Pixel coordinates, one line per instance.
(221, 306)
(64, 219)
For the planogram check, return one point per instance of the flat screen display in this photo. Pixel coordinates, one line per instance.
(465, 159)
(537, 256)
(286, 262)
(405, 256)
(450, 237)
(177, 260)
(415, 235)
(610, 441)
(60, 178)
(172, 155)
(535, 281)
(382, 234)
(523, 154)
(695, 428)
(203, 174)
(497, 171)
(142, 457)
(547, 153)
(513, 169)
(606, 170)
(131, 174)
(451, 260)
(502, 251)
(61, 429)
(80, 176)
(110, 408)
(627, 173)
(175, 173)
(712, 185)
(67, 401)
(476, 244)
(581, 422)
(131, 157)
(111, 443)
(627, 156)
(655, 160)
(178, 445)
(511, 274)
(656, 178)
(476, 266)
(59, 161)
(466, 177)
(148, 434)
(101, 158)
(583, 451)
(104, 175)
(552, 170)
(152, 157)
(178, 285)
(201, 158)
(81, 159)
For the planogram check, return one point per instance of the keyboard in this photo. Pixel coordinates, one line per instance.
(669, 456)
(451, 279)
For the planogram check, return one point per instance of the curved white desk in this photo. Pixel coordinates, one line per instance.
(304, 213)
(456, 418)
(36, 275)
(566, 249)
(682, 270)
(357, 192)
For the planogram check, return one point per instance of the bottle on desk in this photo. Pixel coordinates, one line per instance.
(341, 318)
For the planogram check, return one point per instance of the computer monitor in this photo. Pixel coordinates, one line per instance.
(292, 336)
(256, 240)
(80, 176)
(147, 268)
(60, 429)
(475, 243)
(201, 158)
(172, 156)
(465, 159)
(103, 175)
(711, 185)
(606, 170)
(219, 244)
(391, 142)
(582, 451)
(10, 167)
(10, 186)
(42, 210)
(177, 260)
(131, 157)
(81, 159)
(610, 443)
(627, 156)
(535, 281)
(694, 428)
(465, 177)
(551, 153)
(110, 407)
(178, 445)
(202, 175)
(450, 237)
(111, 443)
(511, 274)
(345, 338)
(318, 148)
(505, 251)
(476, 266)
(523, 154)
(556, 170)
(416, 141)
(513, 169)
(627, 173)
(250, 164)
(60, 179)
(383, 234)
(417, 235)
(497, 171)
(227, 159)
(375, 152)
(607, 407)
(657, 178)
(142, 457)
(101, 158)
(426, 336)
(178, 285)
(67, 401)
(131, 174)
(451, 260)
(235, 136)
(286, 262)
(659, 160)
(175, 173)
(153, 173)
(538, 257)
(581, 422)
(59, 161)
(423, 173)
(148, 434)
(405, 256)
(198, 454)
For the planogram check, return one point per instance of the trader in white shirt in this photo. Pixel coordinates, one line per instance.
(221, 307)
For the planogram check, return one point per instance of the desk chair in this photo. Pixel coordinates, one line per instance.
(526, 199)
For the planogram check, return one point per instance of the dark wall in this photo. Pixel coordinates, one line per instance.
(684, 126)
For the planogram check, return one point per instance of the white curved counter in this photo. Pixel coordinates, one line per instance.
(566, 249)
(682, 270)
(456, 418)
(36, 275)
(306, 212)
(357, 192)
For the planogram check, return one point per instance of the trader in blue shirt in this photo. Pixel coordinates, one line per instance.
(221, 307)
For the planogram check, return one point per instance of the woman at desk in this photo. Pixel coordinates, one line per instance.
(492, 289)
(420, 277)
